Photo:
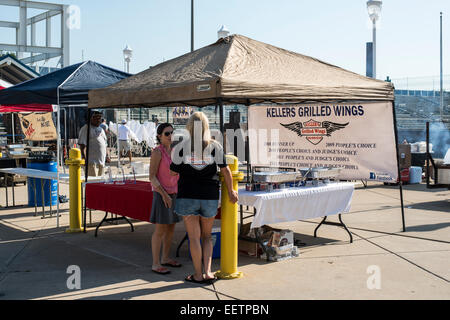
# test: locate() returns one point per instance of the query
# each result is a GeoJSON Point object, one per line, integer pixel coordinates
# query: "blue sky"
{"type": "Point", "coordinates": [333, 31]}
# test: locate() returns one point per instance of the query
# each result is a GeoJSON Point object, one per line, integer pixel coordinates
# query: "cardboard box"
{"type": "Point", "coordinates": [279, 243]}
{"type": "Point", "coordinates": [404, 152]}
{"type": "Point", "coordinates": [283, 253]}
{"type": "Point", "coordinates": [249, 248]}
{"type": "Point", "coordinates": [281, 238]}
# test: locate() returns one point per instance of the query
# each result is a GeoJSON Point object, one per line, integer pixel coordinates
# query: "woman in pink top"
{"type": "Point", "coordinates": [165, 188]}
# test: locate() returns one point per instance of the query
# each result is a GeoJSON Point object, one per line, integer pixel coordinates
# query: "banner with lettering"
{"type": "Point", "coordinates": [358, 138]}
{"type": "Point", "coordinates": [38, 127]}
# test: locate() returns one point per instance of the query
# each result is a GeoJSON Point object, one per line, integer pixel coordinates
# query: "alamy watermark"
{"type": "Point", "coordinates": [374, 280]}
{"type": "Point", "coordinates": [73, 21]}
{"type": "Point", "coordinates": [74, 280]}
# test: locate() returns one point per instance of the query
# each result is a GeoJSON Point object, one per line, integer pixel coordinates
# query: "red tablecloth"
{"type": "Point", "coordinates": [130, 200]}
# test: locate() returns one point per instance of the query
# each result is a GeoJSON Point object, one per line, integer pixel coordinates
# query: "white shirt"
{"type": "Point", "coordinates": [124, 132]}
{"type": "Point", "coordinates": [97, 144]}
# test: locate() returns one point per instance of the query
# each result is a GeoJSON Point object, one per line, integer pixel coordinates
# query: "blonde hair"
{"type": "Point", "coordinates": [205, 132]}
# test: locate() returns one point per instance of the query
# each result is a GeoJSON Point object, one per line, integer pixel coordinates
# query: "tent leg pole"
{"type": "Point", "coordinates": [427, 174]}
{"type": "Point", "coordinates": [118, 143]}
{"type": "Point", "coordinates": [86, 166]}
{"type": "Point", "coordinates": [58, 162]}
{"type": "Point", "coordinates": [398, 168]}
{"type": "Point", "coordinates": [12, 128]}
{"type": "Point", "coordinates": [221, 116]}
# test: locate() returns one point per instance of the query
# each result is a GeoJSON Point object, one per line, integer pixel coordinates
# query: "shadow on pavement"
{"type": "Point", "coordinates": [428, 227]}
{"type": "Point", "coordinates": [433, 206]}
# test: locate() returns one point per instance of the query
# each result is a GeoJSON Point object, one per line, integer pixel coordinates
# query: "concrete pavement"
{"type": "Point", "coordinates": [381, 263]}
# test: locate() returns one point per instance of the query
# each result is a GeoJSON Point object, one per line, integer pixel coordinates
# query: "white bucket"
{"type": "Point", "coordinates": [415, 175]}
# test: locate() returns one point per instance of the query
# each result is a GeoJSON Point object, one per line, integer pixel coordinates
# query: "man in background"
{"type": "Point", "coordinates": [97, 145]}
{"type": "Point", "coordinates": [104, 126]}
{"type": "Point", "coordinates": [125, 136]}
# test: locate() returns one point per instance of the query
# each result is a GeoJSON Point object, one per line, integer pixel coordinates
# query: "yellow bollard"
{"type": "Point", "coordinates": [74, 164]}
{"type": "Point", "coordinates": [229, 226]}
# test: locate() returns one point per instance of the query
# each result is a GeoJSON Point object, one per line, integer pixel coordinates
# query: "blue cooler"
{"type": "Point", "coordinates": [46, 163]}
{"type": "Point", "coordinates": [216, 242]}
{"type": "Point", "coordinates": [215, 235]}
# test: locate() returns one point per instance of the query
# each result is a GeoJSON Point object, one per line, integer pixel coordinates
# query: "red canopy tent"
{"type": "Point", "coordinates": [23, 108]}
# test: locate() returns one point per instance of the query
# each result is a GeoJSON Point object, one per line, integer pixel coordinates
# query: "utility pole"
{"type": "Point", "coordinates": [192, 25]}
{"type": "Point", "coordinates": [442, 82]}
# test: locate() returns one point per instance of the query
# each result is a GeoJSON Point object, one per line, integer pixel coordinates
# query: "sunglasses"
{"type": "Point", "coordinates": [167, 134]}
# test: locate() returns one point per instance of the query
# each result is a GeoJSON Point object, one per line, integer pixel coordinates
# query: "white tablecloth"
{"type": "Point", "coordinates": [298, 203]}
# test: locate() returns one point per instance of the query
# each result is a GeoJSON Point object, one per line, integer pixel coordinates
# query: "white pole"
{"type": "Point", "coordinates": [192, 25]}
{"type": "Point", "coordinates": [12, 126]}
{"type": "Point", "coordinates": [374, 49]}
{"type": "Point", "coordinates": [442, 81]}
{"type": "Point", "coordinates": [117, 140]}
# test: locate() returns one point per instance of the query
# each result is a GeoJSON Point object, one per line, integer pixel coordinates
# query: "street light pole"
{"type": "Point", "coordinates": [127, 55]}
{"type": "Point", "coordinates": [374, 46]}
{"type": "Point", "coordinates": [442, 81]}
{"type": "Point", "coordinates": [374, 10]}
{"type": "Point", "coordinates": [192, 25]}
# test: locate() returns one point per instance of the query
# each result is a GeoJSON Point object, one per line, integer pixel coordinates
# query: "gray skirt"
{"type": "Point", "coordinates": [160, 214]}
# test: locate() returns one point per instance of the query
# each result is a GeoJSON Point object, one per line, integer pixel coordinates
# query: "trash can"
{"type": "Point", "coordinates": [45, 163]}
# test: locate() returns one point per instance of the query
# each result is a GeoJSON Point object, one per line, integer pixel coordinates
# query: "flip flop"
{"type": "Point", "coordinates": [192, 279]}
{"type": "Point", "coordinates": [211, 280]}
{"type": "Point", "coordinates": [172, 264]}
{"type": "Point", "coordinates": [161, 270]}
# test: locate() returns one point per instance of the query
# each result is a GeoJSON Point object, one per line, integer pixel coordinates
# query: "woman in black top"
{"type": "Point", "coordinates": [196, 161]}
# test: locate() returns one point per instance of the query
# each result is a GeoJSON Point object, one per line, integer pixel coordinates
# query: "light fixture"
{"type": "Point", "coordinates": [127, 55]}
{"type": "Point", "coordinates": [223, 32]}
{"type": "Point", "coordinates": [374, 10]}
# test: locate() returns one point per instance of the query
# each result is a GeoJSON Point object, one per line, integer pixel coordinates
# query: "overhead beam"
{"type": "Point", "coordinates": [32, 4]}
{"type": "Point", "coordinates": [43, 16]}
{"type": "Point", "coordinates": [39, 57]}
{"type": "Point", "coordinates": [9, 24]}
{"type": "Point", "coordinates": [35, 19]}
{"type": "Point", "coordinates": [32, 49]}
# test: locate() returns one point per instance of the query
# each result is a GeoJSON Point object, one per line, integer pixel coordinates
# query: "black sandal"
{"type": "Point", "coordinates": [160, 270]}
{"type": "Point", "coordinates": [191, 278]}
{"type": "Point", "coordinates": [211, 280]}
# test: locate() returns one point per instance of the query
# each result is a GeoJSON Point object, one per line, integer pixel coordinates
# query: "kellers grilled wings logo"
{"type": "Point", "coordinates": [314, 131]}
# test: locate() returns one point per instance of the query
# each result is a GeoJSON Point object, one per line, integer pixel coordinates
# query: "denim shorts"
{"type": "Point", "coordinates": [196, 207]}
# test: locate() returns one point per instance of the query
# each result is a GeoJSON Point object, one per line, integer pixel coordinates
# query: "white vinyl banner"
{"type": "Point", "coordinates": [358, 138]}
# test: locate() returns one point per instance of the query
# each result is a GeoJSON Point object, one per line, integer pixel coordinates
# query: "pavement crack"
{"type": "Point", "coordinates": [403, 258]}
{"type": "Point", "coordinates": [6, 272]}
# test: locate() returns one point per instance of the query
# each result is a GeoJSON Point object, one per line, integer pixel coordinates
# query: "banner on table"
{"type": "Point", "coordinates": [38, 127]}
{"type": "Point", "coordinates": [358, 138]}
